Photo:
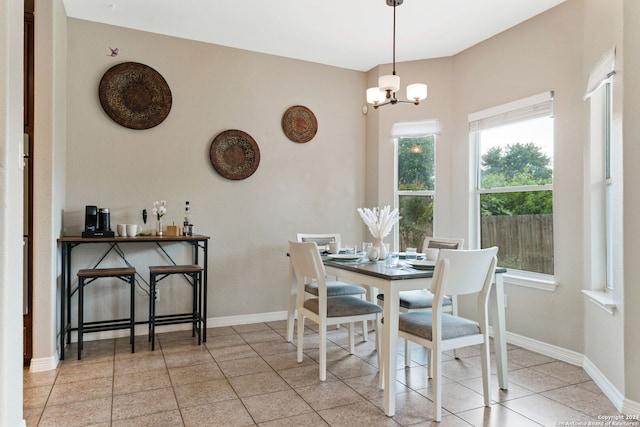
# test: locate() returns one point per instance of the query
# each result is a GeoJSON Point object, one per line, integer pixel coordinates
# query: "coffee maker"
{"type": "Point", "coordinates": [97, 222]}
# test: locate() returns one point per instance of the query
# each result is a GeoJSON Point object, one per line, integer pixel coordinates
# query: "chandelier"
{"type": "Point", "coordinates": [388, 85]}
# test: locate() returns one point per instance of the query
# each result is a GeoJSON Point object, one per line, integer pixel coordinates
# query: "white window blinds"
{"type": "Point", "coordinates": [409, 129]}
{"type": "Point", "coordinates": [604, 69]}
{"type": "Point", "coordinates": [533, 107]}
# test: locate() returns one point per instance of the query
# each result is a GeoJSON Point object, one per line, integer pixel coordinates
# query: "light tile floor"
{"type": "Point", "coordinates": [248, 375]}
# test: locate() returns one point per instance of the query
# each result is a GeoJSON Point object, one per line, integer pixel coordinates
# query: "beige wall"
{"type": "Point", "coordinates": [539, 55]}
{"type": "Point", "coordinates": [553, 51]}
{"type": "Point", "coordinates": [604, 338]}
{"type": "Point", "coordinates": [311, 187]}
{"type": "Point", "coordinates": [631, 135]}
{"type": "Point", "coordinates": [320, 182]}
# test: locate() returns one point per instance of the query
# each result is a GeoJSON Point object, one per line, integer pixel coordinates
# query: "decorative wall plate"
{"type": "Point", "coordinates": [234, 154]}
{"type": "Point", "coordinates": [135, 95]}
{"type": "Point", "coordinates": [299, 124]}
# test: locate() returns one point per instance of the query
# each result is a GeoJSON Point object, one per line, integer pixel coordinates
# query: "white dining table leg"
{"type": "Point", "coordinates": [291, 305]}
{"type": "Point", "coordinates": [499, 331]}
{"type": "Point", "coordinates": [390, 349]}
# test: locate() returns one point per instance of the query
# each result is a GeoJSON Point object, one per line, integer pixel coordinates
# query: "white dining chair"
{"type": "Point", "coordinates": [422, 299]}
{"type": "Point", "coordinates": [323, 310]}
{"type": "Point", "coordinates": [457, 272]}
{"type": "Point", "coordinates": [334, 287]}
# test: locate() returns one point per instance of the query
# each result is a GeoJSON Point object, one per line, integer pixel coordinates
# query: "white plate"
{"type": "Point", "coordinates": [422, 264]}
{"type": "Point", "coordinates": [404, 255]}
{"type": "Point", "coordinates": [345, 256]}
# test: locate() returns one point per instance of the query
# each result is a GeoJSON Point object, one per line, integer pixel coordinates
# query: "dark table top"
{"type": "Point", "coordinates": [379, 269]}
{"type": "Point", "coordinates": [80, 239]}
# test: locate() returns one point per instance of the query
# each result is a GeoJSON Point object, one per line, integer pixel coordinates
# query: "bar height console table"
{"type": "Point", "coordinates": [199, 243]}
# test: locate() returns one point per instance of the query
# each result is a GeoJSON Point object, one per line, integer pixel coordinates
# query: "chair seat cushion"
{"type": "Point", "coordinates": [344, 306]}
{"type": "Point", "coordinates": [335, 289]}
{"type": "Point", "coordinates": [419, 323]}
{"type": "Point", "coordinates": [416, 300]}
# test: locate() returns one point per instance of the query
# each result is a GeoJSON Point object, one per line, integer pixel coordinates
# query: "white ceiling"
{"type": "Point", "coordinates": [352, 34]}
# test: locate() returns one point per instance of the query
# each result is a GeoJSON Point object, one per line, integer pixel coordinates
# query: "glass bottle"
{"type": "Point", "coordinates": [187, 229]}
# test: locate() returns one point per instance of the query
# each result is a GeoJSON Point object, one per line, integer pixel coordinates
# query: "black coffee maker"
{"type": "Point", "coordinates": [97, 222]}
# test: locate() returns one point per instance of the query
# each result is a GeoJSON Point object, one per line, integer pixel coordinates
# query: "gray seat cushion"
{"type": "Point", "coordinates": [335, 289]}
{"type": "Point", "coordinates": [343, 306]}
{"type": "Point", "coordinates": [417, 300]}
{"type": "Point", "coordinates": [419, 323]}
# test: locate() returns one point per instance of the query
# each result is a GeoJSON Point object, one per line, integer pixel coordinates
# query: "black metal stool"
{"type": "Point", "coordinates": [85, 277]}
{"type": "Point", "coordinates": [159, 272]}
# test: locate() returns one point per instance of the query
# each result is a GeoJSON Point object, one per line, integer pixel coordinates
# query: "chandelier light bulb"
{"type": "Point", "coordinates": [417, 92]}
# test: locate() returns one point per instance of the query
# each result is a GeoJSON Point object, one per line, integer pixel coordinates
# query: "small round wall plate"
{"type": "Point", "coordinates": [234, 154]}
{"type": "Point", "coordinates": [299, 124]}
{"type": "Point", "coordinates": [135, 95]}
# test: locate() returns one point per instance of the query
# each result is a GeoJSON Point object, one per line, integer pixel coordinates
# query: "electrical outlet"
{"type": "Point", "coordinates": [157, 295]}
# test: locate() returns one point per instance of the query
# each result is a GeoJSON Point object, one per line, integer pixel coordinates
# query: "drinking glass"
{"type": "Point", "coordinates": [392, 260]}
{"type": "Point", "coordinates": [412, 253]}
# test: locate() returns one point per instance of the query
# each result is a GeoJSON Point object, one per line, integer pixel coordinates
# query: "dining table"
{"type": "Point", "coordinates": [392, 280]}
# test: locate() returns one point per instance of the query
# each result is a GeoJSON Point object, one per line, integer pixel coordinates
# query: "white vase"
{"type": "Point", "coordinates": [382, 249]}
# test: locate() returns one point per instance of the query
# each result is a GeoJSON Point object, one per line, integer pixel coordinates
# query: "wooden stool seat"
{"type": "Point", "coordinates": [87, 276]}
{"type": "Point", "coordinates": [194, 274]}
{"type": "Point", "coordinates": [106, 272]}
{"type": "Point", "coordinates": [174, 269]}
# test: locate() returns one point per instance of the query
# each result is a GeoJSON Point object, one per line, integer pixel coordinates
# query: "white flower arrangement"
{"type": "Point", "coordinates": [159, 208]}
{"type": "Point", "coordinates": [379, 221]}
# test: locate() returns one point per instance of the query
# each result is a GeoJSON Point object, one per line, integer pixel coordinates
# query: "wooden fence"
{"type": "Point", "coordinates": [525, 241]}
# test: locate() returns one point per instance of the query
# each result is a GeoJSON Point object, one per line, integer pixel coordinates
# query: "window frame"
{"type": "Point", "coordinates": [509, 113]}
{"type": "Point", "coordinates": [419, 193]}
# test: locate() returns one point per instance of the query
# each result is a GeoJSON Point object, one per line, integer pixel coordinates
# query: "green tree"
{"type": "Point", "coordinates": [515, 160]}
{"type": "Point", "coordinates": [416, 164]}
{"type": "Point", "coordinates": [416, 172]}
{"type": "Point", "coordinates": [516, 165]}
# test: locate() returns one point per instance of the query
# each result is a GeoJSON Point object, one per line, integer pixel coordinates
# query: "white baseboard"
{"type": "Point", "coordinates": [618, 400]}
{"type": "Point", "coordinates": [605, 385]}
{"type": "Point", "coordinates": [247, 319]}
{"type": "Point", "coordinates": [44, 363]}
{"type": "Point", "coordinates": [550, 350]}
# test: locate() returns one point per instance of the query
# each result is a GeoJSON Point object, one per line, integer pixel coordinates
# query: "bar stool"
{"type": "Point", "coordinates": [87, 276]}
{"type": "Point", "coordinates": [160, 272]}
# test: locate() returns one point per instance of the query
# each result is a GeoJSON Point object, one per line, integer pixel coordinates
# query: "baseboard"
{"type": "Point", "coordinates": [214, 322]}
{"type": "Point", "coordinates": [44, 363]}
{"type": "Point", "coordinates": [618, 400]}
{"type": "Point", "coordinates": [550, 350]}
{"type": "Point", "coordinates": [605, 385]}
{"type": "Point", "coordinates": [247, 319]}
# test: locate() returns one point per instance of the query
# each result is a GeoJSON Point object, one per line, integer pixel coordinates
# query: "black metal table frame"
{"type": "Point", "coordinates": [70, 242]}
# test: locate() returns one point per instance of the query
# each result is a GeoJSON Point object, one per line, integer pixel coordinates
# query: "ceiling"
{"type": "Point", "coordinates": [352, 34]}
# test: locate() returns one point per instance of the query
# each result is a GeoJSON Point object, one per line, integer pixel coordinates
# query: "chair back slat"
{"type": "Point", "coordinates": [306, 261]}
{"type": "Point", "coordinates": [464, 271]}
{"type": "Point", "coordinates": [442, 243]}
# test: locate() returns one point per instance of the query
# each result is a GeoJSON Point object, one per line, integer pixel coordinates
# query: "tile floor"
{"type": "Point", "coordinates": [248, 376]}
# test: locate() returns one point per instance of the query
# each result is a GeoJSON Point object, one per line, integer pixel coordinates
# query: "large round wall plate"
{"type": "Point", "coordinates": [299, 124]}
{"type": "Point", "coordinates": [234, 154]}
{"type": "Point", "coordinates": [135, 95]}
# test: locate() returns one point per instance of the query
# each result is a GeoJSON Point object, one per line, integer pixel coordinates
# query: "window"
{"type": "Point", "coordinates": [514, 182]}
{"type": "Point", "coordinates": [415, 145]}
{"type": "Point", "coordinates": [603, 171]}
